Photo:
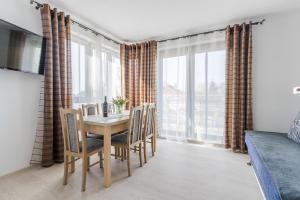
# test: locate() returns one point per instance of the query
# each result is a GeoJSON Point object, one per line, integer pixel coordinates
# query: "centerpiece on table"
{"type": "Point", "coordinates": [119, 103]}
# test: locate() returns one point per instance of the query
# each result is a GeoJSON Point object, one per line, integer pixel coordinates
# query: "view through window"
{"type": "Point", "coordinates": [96, 72]}
{"type": "Point", "coordinates": [192, 95]}
{"type": "Point", "coordinates": [209, 98]}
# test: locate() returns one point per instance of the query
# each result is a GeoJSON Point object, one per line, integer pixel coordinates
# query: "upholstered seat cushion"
{"type": "Point", "coordinates": [120, 138]}
{"type": "Point", "coordinates": [96, 136]}
{"type": "Point", "coordinates": [101, 137]}
{"type": "Point", "coordinates": [93, 144]}
{"type": "Point", "coordinates": [121, 132]}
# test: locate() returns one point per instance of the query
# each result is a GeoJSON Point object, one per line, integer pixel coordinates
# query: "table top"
{"type": "Point", "coordinates": [112, 119]}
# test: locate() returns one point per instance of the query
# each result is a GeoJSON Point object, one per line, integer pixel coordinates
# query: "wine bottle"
{"type": "Point", "coordinates": [105, 108]}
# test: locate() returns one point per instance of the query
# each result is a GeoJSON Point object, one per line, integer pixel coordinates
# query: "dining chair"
{"type": "Point", "coordinates": [149, 135]}
{"type": "Point", "coordinates": [88, 110]}
{"type": "Point", "coordinates": [76, 144]}
{"type": "Point", "coordinates": [132, 139]}
{"type": "Point", "coordinates": [91, 109]}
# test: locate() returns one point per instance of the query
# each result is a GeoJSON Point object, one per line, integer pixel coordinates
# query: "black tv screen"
{"type": "Point", "coordinates": [20, 50]}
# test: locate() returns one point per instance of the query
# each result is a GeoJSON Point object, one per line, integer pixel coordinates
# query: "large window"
{"type": "Point", "coordinates": [209, 96]}
{"type": "Point", "coordinates": [96, 71]}
{"type": "Point", "coordinates": [191, 89]}
{"type": "Point", "coordinates": [174, 96]}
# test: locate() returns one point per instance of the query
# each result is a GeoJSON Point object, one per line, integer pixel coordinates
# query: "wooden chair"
{"type": "Point", "coordinates": [91, 109]}
{"type": "Point", "coordinates": [149, 135]}
{"type": "Point", "coordinates": [132, 139]}
{"type": "Point", "coordinates": [76, 144]}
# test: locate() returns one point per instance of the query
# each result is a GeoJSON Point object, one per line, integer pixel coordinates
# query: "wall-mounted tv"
{"type": "Point", "coordinates": [20, 50]}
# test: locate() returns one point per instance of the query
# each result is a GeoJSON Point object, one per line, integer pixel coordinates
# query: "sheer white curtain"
{"type": "Point", "coordinates": [96, 68]}
{"type": "Point", "coordinates": [191, 88]}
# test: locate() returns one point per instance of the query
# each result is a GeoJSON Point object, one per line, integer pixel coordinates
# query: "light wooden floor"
{"type": "Point", "coordinates": [178, 171]}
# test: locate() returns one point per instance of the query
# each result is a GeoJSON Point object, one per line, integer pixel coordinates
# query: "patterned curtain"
{"type": "Point", "coordinates": [56, 58]}
{"type": "Point", "coordinates": [238, 85]}
{"type": "Point", "coordinates": [138, 63]}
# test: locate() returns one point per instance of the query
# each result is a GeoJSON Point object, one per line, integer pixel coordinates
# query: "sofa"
{"type": "Point", "coordinates": [276, 162]}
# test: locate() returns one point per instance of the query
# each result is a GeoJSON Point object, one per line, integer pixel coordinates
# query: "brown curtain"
{"type": "Point", "coordinates": [57, 81]}
{"type": "Point", "coordinates": [238, 85]}
{"type": "Point", "coordinates": [138, 62]}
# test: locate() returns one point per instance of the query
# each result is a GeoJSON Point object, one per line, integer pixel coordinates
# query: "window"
{"type": "Point", "coordinates": [96, 71]}
{"type": "Point", "coordinates": [209, 100]}
{"type": "Point", "coordinates": [174, 96]}
{"type": "Point", "coordinates": [78, 71]}
{"type": "Point", "coordinates": [191, 91]}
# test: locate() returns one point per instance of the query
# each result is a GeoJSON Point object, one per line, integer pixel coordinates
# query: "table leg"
{"type": "Point", "coordinates": [107, 161]}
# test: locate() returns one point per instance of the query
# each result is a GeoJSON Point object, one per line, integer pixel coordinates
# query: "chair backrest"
{"type": "Point", "coordinates": [90, 109]}
{"type": "Point", "coordinates": [72, 128]}
{"type": "Point", "coordinates": [136, 123]}
{"type": "Point", "coordinates": [149, 125]}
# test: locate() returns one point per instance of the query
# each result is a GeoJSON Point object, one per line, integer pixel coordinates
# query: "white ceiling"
{"type": "Point", "coordinates": [135, 20]}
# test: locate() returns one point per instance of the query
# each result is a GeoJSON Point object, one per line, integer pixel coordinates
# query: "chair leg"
{"type": "Point", "coordinates": [116, 152]}
{"type": "Point", "coordinates": [135, 149]}
{"type": "Point", "coordinates": [155, 140]}
{"type": "Point", "coordinates": [88, 161]}
{"type": "Point", "coordinates": [128, 161]}
{"type": "Point", "coordinates": [66, 160]}
{"type": "Point", "coordinates": [101, 159]}
{"type": "Point", "coordinates": [125, 154]}
{"type": "Point", "coordinates": [145, 151]}
{"type": "Point", "coordinates": [84, 170]}
{"type": "Point", "coordinates": [72, 164]}
{"type": "Point", "coordinates": [152, 145]}
{"type": "Point", "coordinates": [140, 154]}
{"type": "Point", "coordinates": [122, 154]}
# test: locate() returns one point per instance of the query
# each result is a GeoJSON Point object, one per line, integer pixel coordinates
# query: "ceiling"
{"type": "Point", "coordinates": [136, 20]}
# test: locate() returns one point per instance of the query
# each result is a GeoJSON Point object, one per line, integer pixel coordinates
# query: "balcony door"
{"type": "Point", "coordinates": [191, 94]}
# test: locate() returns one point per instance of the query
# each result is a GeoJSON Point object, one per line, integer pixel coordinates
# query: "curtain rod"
{"type": "Point", "coordinates": [207, 32]}
{"type": "Point", "coordinates": [86, 28]}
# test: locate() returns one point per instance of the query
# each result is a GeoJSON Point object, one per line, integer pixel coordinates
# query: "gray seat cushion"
{"type": "Point", "coordinates": [294, 132]}
{"type": "Point", "coordinates": [101, 137]}
{"type": "Point", "coordinates": [96, 136]}
{"type": "Point", "coordinates": [121, 132]}
{"type": "Point", "coordinates": [93, 144]}
{"type": "Point", "coordinates": [120, 138]}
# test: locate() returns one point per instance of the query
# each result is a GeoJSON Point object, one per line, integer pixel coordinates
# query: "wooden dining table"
{"type": "Point", "coordinates": [107, 126]}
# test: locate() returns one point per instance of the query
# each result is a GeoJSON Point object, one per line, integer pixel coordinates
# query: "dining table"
{"type": "Point", "coordinates": [107, 126]}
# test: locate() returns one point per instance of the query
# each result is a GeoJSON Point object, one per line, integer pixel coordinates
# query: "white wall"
{"type": "Point", "coordinates": [19, 96]}
{"type": "Point", "coordinates": [276, 63]}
